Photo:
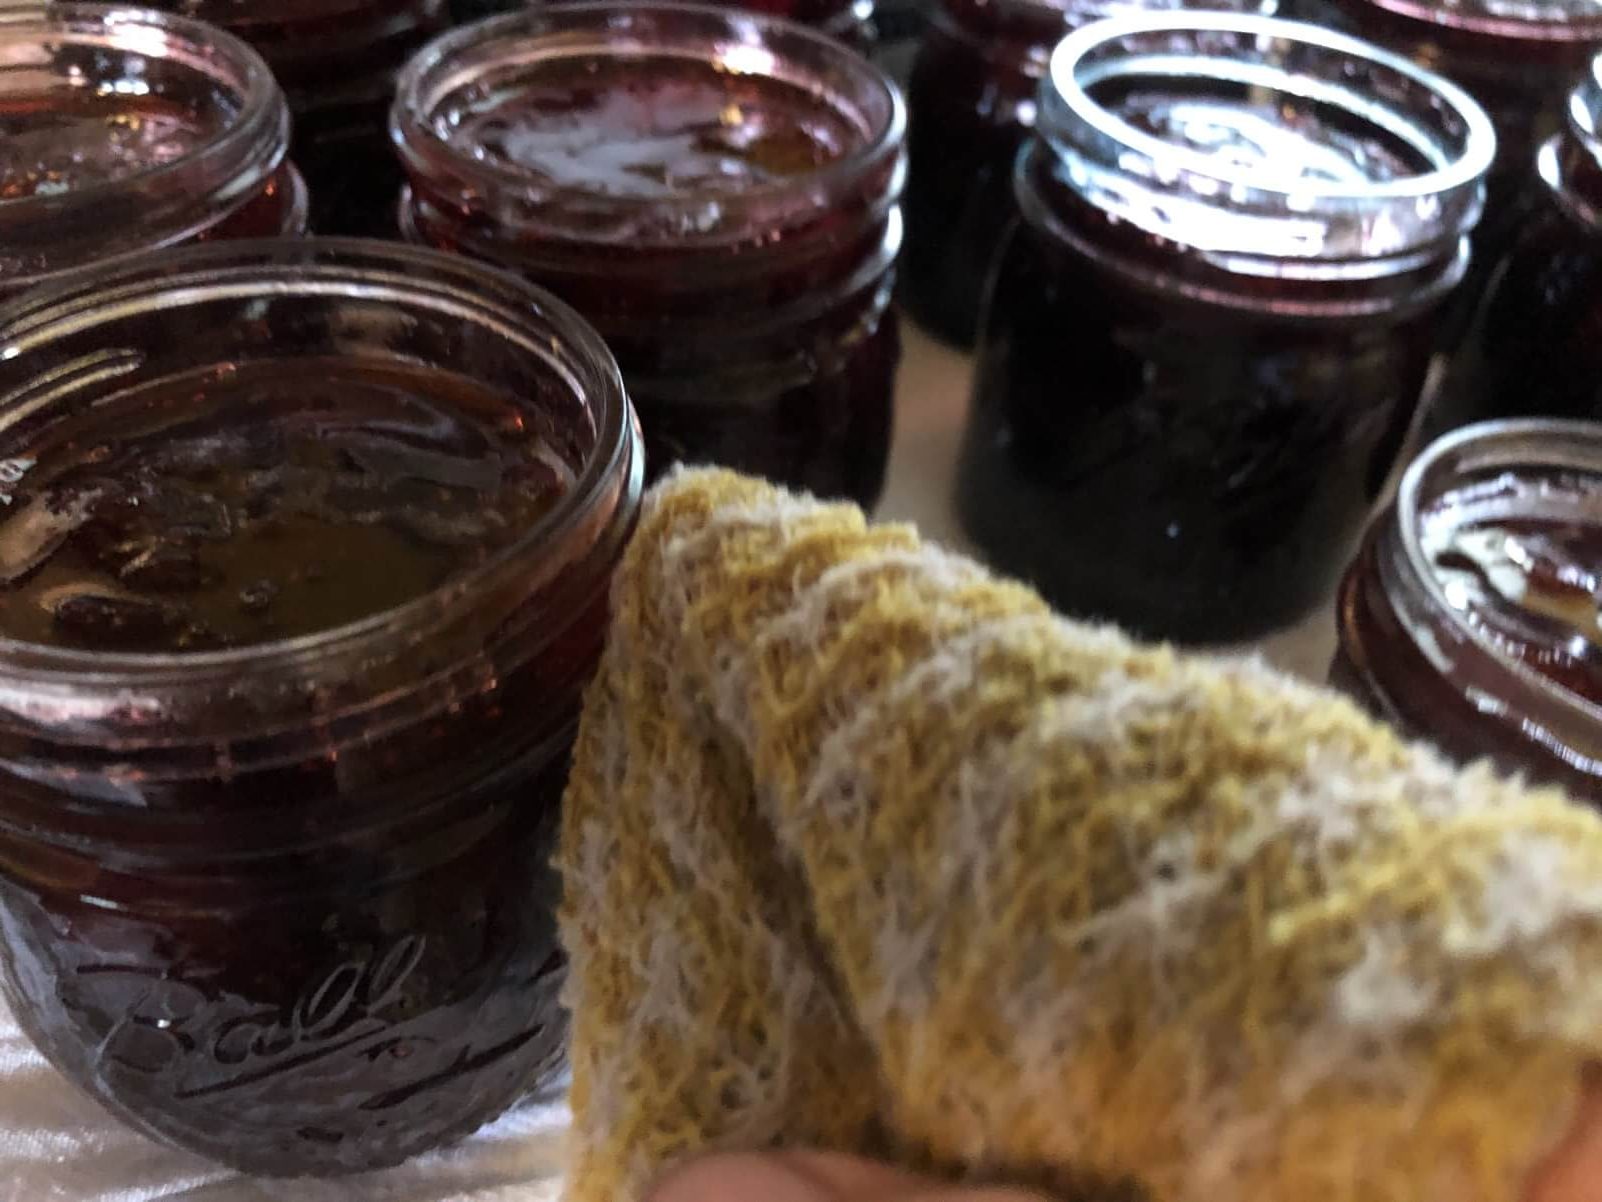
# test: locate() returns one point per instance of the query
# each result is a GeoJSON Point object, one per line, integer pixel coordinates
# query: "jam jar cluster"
{"type": "Point", "coordinates": [304, 555]}
{"type": "Point", "coordinates": [1211, 325]}
{"type": "Point", "coordinates": [717, 192]}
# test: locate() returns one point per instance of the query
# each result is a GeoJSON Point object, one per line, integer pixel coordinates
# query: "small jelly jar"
{"type": "Point", "coordinates": [716, 191]}
{"type": "Point", "coordinates": [126, 130]}
{"type": "Point", "coordinates": [1533, 350]}
{"type": "Point", "coordinates": [1519, 60]}
{"type": "Point", "coordinates": [1470, 616]}
{"type": "Point", "coordinates": [337, 60]}
{"type": "Point", "coordinates": [971, 104]}
{"type": "Point", "coordinates": [1210, 328]}
{"type": "Point", "coordinates": [305, 548]}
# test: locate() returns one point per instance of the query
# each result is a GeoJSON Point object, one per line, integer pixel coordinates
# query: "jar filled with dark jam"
{"type": "Point", "coordinates": [715, 191]}
{"type": "Point", "coordinates": [1518, 58]}
{"type": "Point", "coordinates": [1535, 348]}
{"type": "Point", "coordinates": [124, 130]}
{"type": "Point", "coordinates": [1471, 615]}
{"type": "Point", "coordinates": [1211, 326]}
{"type": "Point", "coordinates": [304, 554]}
{"type": "Point", "coordinates": [337, 60]}
{"type": "Point", "coordinates": [971, 102]}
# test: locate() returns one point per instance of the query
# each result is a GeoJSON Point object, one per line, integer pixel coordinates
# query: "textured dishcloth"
{"type": "Point", "coordinates": [866, 849]}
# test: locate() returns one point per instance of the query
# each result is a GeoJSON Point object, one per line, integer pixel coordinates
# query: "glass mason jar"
{"type": "Point", "coordinates": [1469, 617]}
{"type": "Point", "coordinates": [1518, 58]}
{"type": "Point", "coordinates": [971, 104]}
{"type": "Point", "coordinates": [716, 191]}
{"type": "Point", "coordinates": [306, 548]}
{"type": "Point", "coordinates": [337, 60]}
{"type": "Point", "coordinates": [1211, 325]}
{"type": "Point", "coordinates": [1534, 350]}
{"type": "Point", "coordinates": [127, 130]}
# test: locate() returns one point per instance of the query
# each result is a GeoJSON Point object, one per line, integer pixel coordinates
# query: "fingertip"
{"type": "Point", "coordinates": [740, 1177]}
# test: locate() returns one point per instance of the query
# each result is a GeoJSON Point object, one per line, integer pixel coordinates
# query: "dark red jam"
{"type": "Point", "coordinates": [238, 505]}
{"type": "Point", "coordinates": [1473, 615]}
{"type": "Point", "coordinates": [971, 102]}
{"type": "Point", "coordinates": [1518, 58]}
{"type": "Point", "coordinates": [1197, 367]}
{"type": "Point", "coordinates": [337, 61]}
{"type": "Point", "coordinates": [304, 551]}
{"type": "Point", "coordinates": [125, 130]}
{"type": "Point", "coordinates": [716, 193]}
{"type": "Point", "coordinates": [1535, 348]}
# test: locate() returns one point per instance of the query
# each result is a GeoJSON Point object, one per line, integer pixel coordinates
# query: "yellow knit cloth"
{"type": "Point", "coordinates": [868, 850]}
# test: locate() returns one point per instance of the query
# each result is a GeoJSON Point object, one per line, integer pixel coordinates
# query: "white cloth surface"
{"type": "Point", "coordinates": [58, 1145]}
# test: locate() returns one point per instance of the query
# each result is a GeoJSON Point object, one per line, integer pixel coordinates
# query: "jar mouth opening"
{"type": "Point", "coordinates": [1557, 22]}
{"type": "Point", "coordinates": [451, 286]}
{"type": "Point", "coordinates": [1157, 118]}
{"type": "Point", "coordinates": [212, 56]}
{"type": "Point", "coordinates": [459, 64]}
{"type": "Point", "coordinates": [1457, 459]}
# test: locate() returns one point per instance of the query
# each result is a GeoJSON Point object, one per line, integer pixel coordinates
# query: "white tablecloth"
{"type": "Point", "coordinates": [57, 1146]}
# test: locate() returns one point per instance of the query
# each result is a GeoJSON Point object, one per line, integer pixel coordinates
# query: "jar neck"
{"type": "Point", "coordinates": [1393, 289]}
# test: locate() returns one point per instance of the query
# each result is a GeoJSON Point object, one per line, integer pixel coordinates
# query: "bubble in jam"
{"type": "Point", "coordinates": [262, 502]}
{"type": "Point", "coordinates": [649, 126]}
{"type": "Point", "coordinates": [1519, 555]}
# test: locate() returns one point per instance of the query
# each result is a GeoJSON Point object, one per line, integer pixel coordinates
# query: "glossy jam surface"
{"type": "Point", "coordinates": [1520, 559]}
{"type": "Point", "coordinates": [267, 503]}
{"type": "Point", "coordinates": [675, 198]}
{"type": "Point", "coordinates": [50, 145]}
{"type": "Point", "coordinates": [654, 128]}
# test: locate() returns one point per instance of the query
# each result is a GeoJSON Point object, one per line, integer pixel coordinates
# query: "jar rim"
{"type": "Point", "coordinates": [438, 71]}
{"type": "Point", "coordinates": [1506, 443]}
{"type": "Point", "coordinates": [222, 167]}
{"type": "Point", "coordinates": [453, 284]}
{"type": "Point", "coordinates": [1321, 219]}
